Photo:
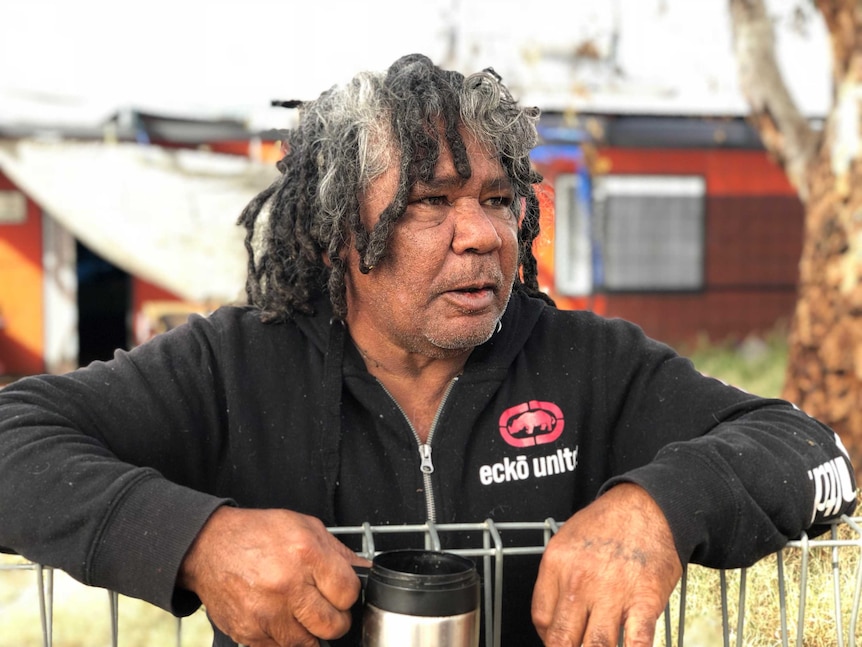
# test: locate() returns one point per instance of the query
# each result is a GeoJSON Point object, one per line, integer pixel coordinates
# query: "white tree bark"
{"type": "Point", "coordinates": [785, 132]}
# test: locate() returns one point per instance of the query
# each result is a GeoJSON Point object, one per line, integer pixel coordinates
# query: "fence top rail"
{"type": "Point", "coordinates": [489, 537]}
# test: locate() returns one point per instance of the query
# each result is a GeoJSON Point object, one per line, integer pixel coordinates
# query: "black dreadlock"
{"type": "Point", "coordinates": [349, 136]}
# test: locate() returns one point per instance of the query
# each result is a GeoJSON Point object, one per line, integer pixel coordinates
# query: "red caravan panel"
{"type": "Point", "coordinates": [753, 240]}
{"type": "Point", "coordinates": [727, 171]}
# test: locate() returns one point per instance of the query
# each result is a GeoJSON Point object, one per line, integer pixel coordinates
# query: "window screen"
{"type": "Point", "coordinates": [651, 231]}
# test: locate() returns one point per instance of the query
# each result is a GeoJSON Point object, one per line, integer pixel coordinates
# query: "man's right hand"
{"type": "Point", "coordinates": [272, 577]}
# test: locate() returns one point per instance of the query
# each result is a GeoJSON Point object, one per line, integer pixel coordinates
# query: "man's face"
{"type": "Point", "coordinates": [448, 272]}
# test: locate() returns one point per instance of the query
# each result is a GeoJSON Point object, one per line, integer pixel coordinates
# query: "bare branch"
{"type": "Point", "coordinates": [783, 129]}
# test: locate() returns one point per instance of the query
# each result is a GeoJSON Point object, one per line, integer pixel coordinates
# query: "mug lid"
{"type": "Point", "coordinates": [423, 583]}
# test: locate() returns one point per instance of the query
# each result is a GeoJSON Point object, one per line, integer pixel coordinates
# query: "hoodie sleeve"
{"type": "Point", "coordinates": [736, 475]}
{"type": "Point", "coordinates": [102, 471]}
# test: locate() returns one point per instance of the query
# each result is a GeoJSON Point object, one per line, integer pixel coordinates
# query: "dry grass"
{"type": "Point", "coordinates": [758, 365]}
{"type": "Point", "coordinates": [82, 616]}
{"type": "Point", "coordinates": [761, 606]}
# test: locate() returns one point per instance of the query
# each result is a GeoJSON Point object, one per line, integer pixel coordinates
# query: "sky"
{"type": "Point", "coordinates": [78, 61]}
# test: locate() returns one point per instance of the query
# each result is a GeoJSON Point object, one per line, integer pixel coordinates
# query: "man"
{"type": "Point", "coordinates": [397, 363]}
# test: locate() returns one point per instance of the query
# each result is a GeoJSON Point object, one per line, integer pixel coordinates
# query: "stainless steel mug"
{"type": "Point", "coordinates": [421, 598]}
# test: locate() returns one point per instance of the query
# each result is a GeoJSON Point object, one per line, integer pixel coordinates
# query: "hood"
{"type": "Point", "coordinates": [496, 354]}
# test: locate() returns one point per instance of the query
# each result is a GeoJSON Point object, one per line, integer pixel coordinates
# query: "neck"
{"type": "Point", "coordinates": [417, 383]}
{"type": "Point", "coordinates": [406, 366]}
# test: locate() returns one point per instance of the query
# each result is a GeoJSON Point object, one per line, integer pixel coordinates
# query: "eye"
{"type": "Point", "coordinates": [434, 200]}
{"type": "Point", "coordinates": [500, 201]}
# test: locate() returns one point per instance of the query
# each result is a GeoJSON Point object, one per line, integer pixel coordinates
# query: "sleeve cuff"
{"type": "Point", "coordinates": [694, 500]}
{"type": "Point", "coordinates": [143, 543]}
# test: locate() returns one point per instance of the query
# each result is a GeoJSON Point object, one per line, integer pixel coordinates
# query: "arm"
{"type": "Point", "coordinates": [103, 471]}
{"type": "Point", "coordinates": [705, 473]}
{"type": "Point", "coordinates": [736, 475]}
{"type": "Point", "coordinates": [742, 491]}
{"type": "Point", "coordinates": [614, 564]}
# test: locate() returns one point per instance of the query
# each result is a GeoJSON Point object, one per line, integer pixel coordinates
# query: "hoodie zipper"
{"type": "Point", "coordinates": [426, 464]}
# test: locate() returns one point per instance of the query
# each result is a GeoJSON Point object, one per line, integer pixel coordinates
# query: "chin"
{"type": "Point", "coordinates": [464, 338]}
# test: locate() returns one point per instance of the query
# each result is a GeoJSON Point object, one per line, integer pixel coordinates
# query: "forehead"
{"type": "Point", "coordinates": [481, 159]}
{"type": "Point", "coordinates": [483, 163]}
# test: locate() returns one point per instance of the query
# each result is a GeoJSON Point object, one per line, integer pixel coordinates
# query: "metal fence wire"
{"type": "Point", "coordinates": [831, 564]}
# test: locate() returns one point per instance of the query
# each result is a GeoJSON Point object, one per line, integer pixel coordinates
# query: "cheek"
{"type": "Point", "coordinates": [411, 250]}
{"type": "Point", "coordinates": [509, 235]}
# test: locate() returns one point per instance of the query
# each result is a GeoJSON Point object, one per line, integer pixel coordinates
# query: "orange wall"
{"type": "Point", "coordinates": [21, 305]}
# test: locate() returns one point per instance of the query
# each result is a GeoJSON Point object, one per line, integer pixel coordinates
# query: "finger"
{"type": "Point", "coordinates": [297, 640]}
{"type": "Point", "coordinates": [567, 623]}
{"type": "Point", "coordinates": [306, 623]}
{"type": "Point", "coordinates": [342, 586]}
{"type": "Point", "coordinates": [318, 615]}
{"type": "Point", "coordinates": [337, 582]}
{"type": "Point", "coordinates": [640, 634]}
{"type": "Point", "coordinates": [263, 642]}
{"type": "Point", "coordinates": [545, 593]}
{"type": "Point", "coordinates": [639, 629]}
{"type": "Point", "coordinates": [542, 613]}
{"type": "Point", "coordinates": [602, 628]}
{"type": "Point", "coordinates": [358, 560]}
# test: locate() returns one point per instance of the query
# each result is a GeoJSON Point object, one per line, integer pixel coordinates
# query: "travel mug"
{"type": "Point", "coordinates": [420, 598]}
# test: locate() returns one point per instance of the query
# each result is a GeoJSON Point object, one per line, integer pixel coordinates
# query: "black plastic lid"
{"type": "Point", "coordinates": [423, 583]}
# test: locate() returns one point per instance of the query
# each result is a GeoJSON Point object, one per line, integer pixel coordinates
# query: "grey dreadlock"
{"type": "Point", "coordinates": [348, 137]}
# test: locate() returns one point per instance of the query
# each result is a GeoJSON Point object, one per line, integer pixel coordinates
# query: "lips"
{"type": "Point", "coordinates": [473, 282]}
{"type": "Point", "coordinates": [474, 288]}
{"type": "Point", "coordinates": [473, 297]}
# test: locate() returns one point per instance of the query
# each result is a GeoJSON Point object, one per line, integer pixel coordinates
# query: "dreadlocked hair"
{"type": "Point", "coordinates": [298, 228]}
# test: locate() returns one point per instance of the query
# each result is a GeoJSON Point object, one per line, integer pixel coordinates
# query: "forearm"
{"type": "Point", "coordinates": [743, 490]}
{"type": "Point", "coordinates": [73, 490]}
{"type": "Point", "coordinates": [118, 527]}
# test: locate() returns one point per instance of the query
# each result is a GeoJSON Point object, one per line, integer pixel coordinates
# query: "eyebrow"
{"type": "Point", "coordinates": [499, 182]}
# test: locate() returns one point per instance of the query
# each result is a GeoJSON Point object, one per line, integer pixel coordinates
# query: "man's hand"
{"type": "Point", "coordinates": [612, 565]}
{"type": "Point", "coordinates": [272, 577]}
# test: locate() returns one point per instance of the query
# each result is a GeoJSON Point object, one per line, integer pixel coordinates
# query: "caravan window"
{"type": "Point", "coordinates": [629, 233]}
{"type": "Point", "coordinates": [651, 231]}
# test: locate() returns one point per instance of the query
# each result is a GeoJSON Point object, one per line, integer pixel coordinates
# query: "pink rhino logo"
{"type": "Point", "coordinates": [531, 423]}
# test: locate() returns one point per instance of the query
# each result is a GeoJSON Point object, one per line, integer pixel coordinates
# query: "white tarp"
{"type": "Point", "coordinates": [168, 216]}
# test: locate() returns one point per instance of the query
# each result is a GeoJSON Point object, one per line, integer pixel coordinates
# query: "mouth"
{"type": "Point", "coordinates": [472, 297]}
{"type": "Point", "coordinates": [474, 288]}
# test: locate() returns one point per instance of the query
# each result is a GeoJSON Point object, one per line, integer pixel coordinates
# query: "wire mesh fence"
{"type": "Point", "coordinates": [806, 594]}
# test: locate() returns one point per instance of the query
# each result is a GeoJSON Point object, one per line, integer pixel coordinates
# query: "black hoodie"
{"type": "Point", "coordinates": [110, 471]}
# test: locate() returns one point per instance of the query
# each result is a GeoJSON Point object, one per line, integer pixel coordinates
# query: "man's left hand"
{"type": "Point", "coordinates": [612, 566]}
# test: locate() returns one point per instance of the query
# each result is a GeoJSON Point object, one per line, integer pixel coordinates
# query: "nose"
{"type": "Point", "coordinates": [475, 230]}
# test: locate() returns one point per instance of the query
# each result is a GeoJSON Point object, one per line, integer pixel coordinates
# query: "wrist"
{"type": "Point", "coordinates": [196, 558]}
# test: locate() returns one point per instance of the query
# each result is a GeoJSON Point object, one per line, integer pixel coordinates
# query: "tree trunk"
{"type": "Point", "coordinates": [824, 373]}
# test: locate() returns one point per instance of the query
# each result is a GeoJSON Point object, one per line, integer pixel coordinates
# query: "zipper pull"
{"type": "Point", "coordinates": [426, 466]}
